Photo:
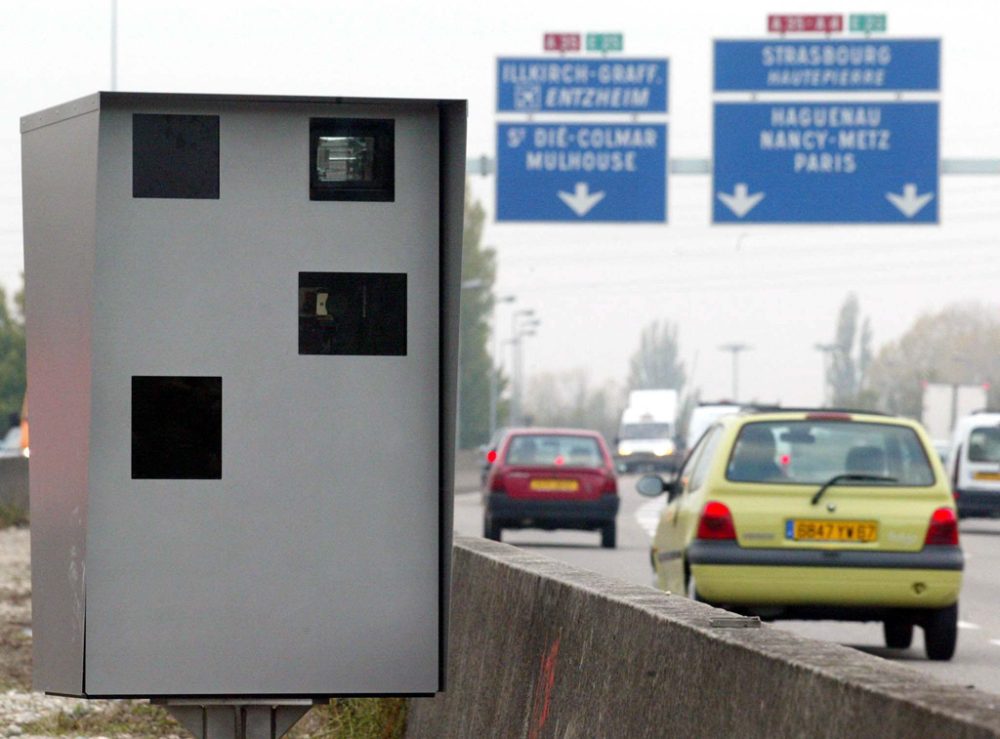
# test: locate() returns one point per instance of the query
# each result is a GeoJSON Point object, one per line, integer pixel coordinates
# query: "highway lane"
{"type": "Point", "coordinates": [976, 663]}
{"type": "Point", "coordinates": [629, 561]}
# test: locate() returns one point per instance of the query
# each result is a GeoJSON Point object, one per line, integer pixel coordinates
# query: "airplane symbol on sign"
{"type": "Point", "coordinates": [528, 97]}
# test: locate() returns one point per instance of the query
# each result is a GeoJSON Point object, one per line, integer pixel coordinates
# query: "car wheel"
{"type": "Point", "coordinates": [491, 530]}
{"type": "Point", "coordinates": [898, 633]}
{"type": "Point", "coordinates": [941, 633]}
{"type": "Point", "coordinates": [609, 535]}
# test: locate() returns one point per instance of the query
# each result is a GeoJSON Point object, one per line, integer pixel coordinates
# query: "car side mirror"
{"type": "Point", "coordinates": [651, 486]}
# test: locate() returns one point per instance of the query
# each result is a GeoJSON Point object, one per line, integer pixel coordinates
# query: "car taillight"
{"type": "Point", "coordinates": [610, 484]}
{"type": "Point", "coordinates": [491, 456]}
{"type": "Point", "coordinates": [943, 530]}
{"type": "Point", "coordinates": [716, 522]}
{"type": "Point", "coordinates": [497, 484]}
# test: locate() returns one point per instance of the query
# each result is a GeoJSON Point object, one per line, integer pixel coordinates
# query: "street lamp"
{"type": "Point", "coordinates": [827, 350]}
{"type": "Point", "coordinates": [495, 371]}
{"type": "Point", "coordinates": [114, 45]}
{"type": "Point", "coordinates": [522, 321]}
{"type": "Point", "coordinates": [735, 350]}
{"type": "Point", "coordinates": [527, 329]}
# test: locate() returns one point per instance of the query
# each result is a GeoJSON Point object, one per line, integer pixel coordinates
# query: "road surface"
{"type": "Point", "coordinates": [976, 663]}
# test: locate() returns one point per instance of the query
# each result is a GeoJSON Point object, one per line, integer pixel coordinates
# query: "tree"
{"type": "Point", "coordinates": [474, 361]}
{"type": "Point", "coordinates": [567, 399]}
{"type": "Point", "coordinates": [850, 356]}
{"type": "Point", "coordinates": [956, 345]}
{"type": "Point", "coordinates": [13, 371]}
{"type": "Point", "coordinates": [656, 363]}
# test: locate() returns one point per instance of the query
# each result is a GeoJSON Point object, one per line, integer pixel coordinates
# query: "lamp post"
{"type": "Point", "coordinates": [495, 370]}
{"type": "Point", "coordinates": [517, 332]}
{"type": "Point", "coordinates": [827, 350]}
{"type": "Point", "coordinates": [114, 45]}
{"type": "Point", "coordinates": [527, 329]}
{"type": "Point", "coordinates": [735, 350]}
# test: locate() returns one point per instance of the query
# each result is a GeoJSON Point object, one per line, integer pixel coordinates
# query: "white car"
{"type": "Point", "coordinates": [974, 465]}
{"type": "Point", "coordinates": [11, 444]}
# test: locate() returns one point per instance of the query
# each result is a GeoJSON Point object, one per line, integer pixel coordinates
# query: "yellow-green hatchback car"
{"type": "Point", "coordinates": [815, 515]}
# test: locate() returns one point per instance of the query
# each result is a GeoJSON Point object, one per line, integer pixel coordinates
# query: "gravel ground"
{"type": "Point", "coordinates": [18, 705]}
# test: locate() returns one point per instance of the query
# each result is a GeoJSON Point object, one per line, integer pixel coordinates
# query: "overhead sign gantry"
{"type": "Point", "coordinates": [840, 159]}
{"type": "Point", "coordinates": [556, 171]}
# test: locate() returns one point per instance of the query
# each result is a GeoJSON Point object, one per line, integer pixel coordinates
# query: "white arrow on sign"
{"type": "Point", "coordinates": [741, 201]}
{"type": "Point", "coordinates": [582, 199]}
{"type": "Point", "coordinates": [909, 203]}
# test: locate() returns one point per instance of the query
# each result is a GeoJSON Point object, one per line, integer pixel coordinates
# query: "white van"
{"type": "Point", "coordinates": [704, 415]}
{"type": "Point", "coordinates": [974, 465]}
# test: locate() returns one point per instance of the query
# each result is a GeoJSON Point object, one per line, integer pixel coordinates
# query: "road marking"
{"type": "Point", "coordinates": [995, 641]}
{"type": "Point", "coordinates": [648, 515]}
{"type": "Point", "coordinates": [967, 625]}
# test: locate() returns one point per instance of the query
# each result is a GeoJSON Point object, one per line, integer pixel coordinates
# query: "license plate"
{"type": "Point", "coordinates": [986, 476]}
{"type": "Point", "coordinates": [557, 486]}
{"type": "Point", "coordinates": [856, 531]}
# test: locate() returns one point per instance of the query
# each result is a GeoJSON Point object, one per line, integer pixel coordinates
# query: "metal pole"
{"type": "Point", "coordinates": [827, 351]}
{"type": "Point", "coordinates": [495, 373]}
{"type": "Point", "coordinates": [735, 350]}
{"type": "Point", "coordinates": [736, 374]}
{"type": "Point", "coordinates": [485, 166]}
{"type": "Point", "coordinates": [213, 718]}
{"type": "Point", "coordinates": [494, 382]}
{"type": "Point", "coordinates": [114, 45]}
{"type": "Point", "coordinates": [515, 396]}
{"type": "Point", "coordinates": [526, 329]}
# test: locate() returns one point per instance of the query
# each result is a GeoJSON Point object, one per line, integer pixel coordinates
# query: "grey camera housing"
{"type": "Point", "coordinates": [216, 512]}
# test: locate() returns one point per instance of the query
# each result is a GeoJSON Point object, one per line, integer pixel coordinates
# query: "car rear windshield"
{"type": "Point", "coordinates": [984, 444]}
{"type": "Point", "coordinates": [646, 431]}
{"type": "Point", "coordinates": [813, 452]}
{"type": "Point", "coordinates": [553, 450]}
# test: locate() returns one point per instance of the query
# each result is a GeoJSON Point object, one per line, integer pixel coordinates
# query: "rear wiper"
{"type": "Point", "coordinates": [851, 477]}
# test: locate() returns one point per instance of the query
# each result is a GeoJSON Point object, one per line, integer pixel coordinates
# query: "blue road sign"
{"type": "Point", "coordinates": [825, 162]}
{"type": "Point", "coordinates": [828, 65]}
{"type": "Point", "coordinates": [581, 172]}
{"type": "Point", "coordinates": [562, 85]}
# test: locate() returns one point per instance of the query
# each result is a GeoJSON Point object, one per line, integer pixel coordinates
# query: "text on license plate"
{"type": "Point", "coordinates": [806, 530]}
{"type": "Point", "coordinates": [986, 475]}
{"type": "Point", "coordinates": [560, 486]}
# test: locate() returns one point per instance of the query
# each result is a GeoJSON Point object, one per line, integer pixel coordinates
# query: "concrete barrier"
{"type": "Point", "coordinates": [542, 649]}
{"type": "Point", "coordinates": [14, 483]}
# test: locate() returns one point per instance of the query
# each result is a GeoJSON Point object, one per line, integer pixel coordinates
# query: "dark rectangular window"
{"type": "Point", "coordinates": [352, 159]}
{"type": "Point", "coordinates": [352, 313]}
{"type": "Point", "coordinates": [176, 428]}
{"type": "Point", "coordinates": [175, 156]}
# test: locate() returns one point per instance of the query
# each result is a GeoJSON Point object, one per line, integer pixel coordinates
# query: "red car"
{"type": "Point", "coordinates": [551, 479]}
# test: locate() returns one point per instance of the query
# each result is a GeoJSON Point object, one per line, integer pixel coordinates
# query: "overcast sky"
{"type": "Point", "coordinates": [594, 287]}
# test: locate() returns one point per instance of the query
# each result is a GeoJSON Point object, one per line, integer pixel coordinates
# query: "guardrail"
{"type": "Point", "coordinates": [542, 649]}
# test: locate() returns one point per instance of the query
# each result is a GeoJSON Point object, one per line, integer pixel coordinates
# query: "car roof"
{"type": "Point", "coordinates": [979, 418]}
{"type": "Point", "coordinates": [818, 414]}
{"type": "Point", "coordinates": [552, 431]}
